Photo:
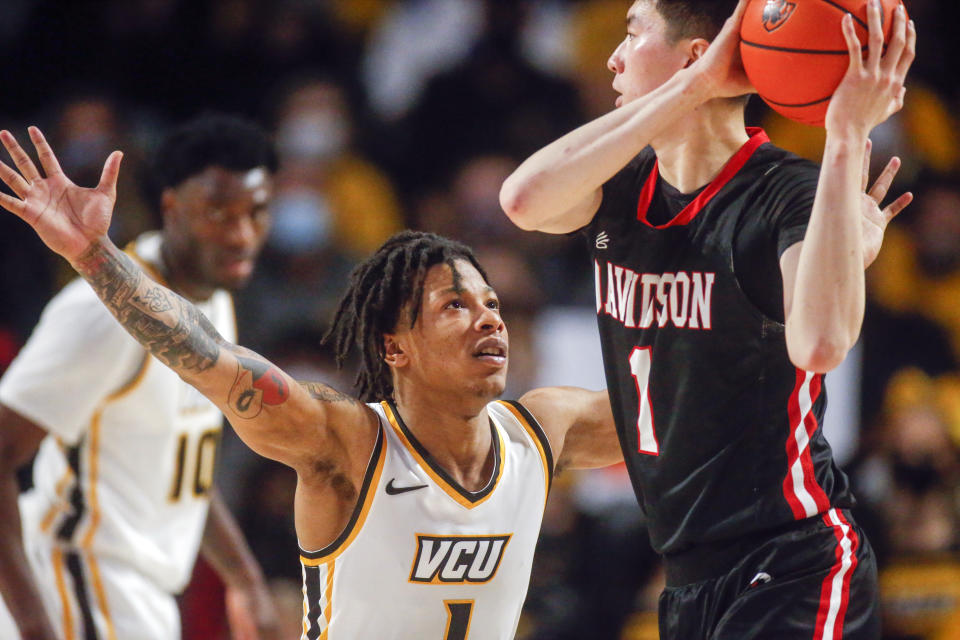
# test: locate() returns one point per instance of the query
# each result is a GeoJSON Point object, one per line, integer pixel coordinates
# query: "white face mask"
{"type": "Point", "coordinates": [301, 222]}
{"type": "Point", "coordinates": [82, 150]}
{"type": "Point", "coordinates": [319, 135]}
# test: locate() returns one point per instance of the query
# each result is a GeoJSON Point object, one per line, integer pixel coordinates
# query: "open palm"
{"type": "Point", "coordinates": [875, 219]}
{"type": "Point", "coordinates": [66, 217]}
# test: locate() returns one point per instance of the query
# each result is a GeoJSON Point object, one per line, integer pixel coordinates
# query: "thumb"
{"type": "Point", "coordinates": [111, 171]}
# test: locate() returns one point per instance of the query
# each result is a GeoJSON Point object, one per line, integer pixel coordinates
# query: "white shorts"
{"type": "Point", "coordinates": [96, 598]}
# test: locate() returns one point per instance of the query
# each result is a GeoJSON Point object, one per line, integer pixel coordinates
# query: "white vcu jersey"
{"type": "Point", "coordinates": [424, 559]}
{"type": "Point", "coordinates": [122, 481]}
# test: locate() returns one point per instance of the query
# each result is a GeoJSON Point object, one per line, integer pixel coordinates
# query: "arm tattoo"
{"type": "Point", "coordinates": [258, 382]}
{"type": "Point", "coordinates": [168, 326]}
{"type": "Point", "coordinates": [324, 393]}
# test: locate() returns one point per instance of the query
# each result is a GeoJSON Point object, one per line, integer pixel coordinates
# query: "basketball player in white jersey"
{"type": "Point", "coordinates": [418, 511]}
{"type": "Point", "coordinates": [125, 449]}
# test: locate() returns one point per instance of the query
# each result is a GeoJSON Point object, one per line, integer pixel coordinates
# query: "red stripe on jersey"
{"type": "Point", "coordinates": [800, 489]}
{"type": "Point", "coordinates": [757, 137]}
{"type": "Point", "coordinates": [835, 591]}
{"type": "Point", "coordinates": [809, 475]}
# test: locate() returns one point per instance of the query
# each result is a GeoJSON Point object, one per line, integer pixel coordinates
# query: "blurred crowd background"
{"type": "Point", "coordinates": [410, 113]}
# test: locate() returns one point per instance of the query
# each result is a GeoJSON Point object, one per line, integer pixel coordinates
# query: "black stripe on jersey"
{"type": "Point", "coordinates": [75, 567]}
{"type": "Point", "coordinates": [69, 526]}
{"type": "Point", "coordinates": [541, 436]}
{"type": "Point", "coordinates": [358, 509]}
{"type": "Point", "coordinates": [311, 581]}
{"type": "Point", "coordinates": [436, 468]}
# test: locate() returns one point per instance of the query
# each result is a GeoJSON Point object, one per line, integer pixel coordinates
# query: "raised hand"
{"type": "Point", "coordinates": [875, 219]}
{"type": "Point", "coordinates": [721, 67]}
{"type": "Point", "coordinates": [873, 90]}
{"type": "Point", "coordinates": [66, 217]}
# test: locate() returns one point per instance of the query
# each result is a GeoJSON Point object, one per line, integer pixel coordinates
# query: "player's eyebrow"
{"type": "Point", "coordinates": [452, 289]}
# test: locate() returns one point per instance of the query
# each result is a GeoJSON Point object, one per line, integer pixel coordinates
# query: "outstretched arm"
{"type": "Point", "coordinates": [273, 414]}
{"type": "Point", "coordinates": [579, 425]}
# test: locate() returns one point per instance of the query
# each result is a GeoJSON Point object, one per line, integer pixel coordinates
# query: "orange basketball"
{"type": "Point", "coordinates": [794, 52]}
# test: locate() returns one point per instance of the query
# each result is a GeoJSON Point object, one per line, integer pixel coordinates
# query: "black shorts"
{"type": "Point", "coordinates": [814, 580]}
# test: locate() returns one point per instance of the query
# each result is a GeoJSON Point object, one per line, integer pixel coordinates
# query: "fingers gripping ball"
{"type": "Point", "coordinates": [794, 52]}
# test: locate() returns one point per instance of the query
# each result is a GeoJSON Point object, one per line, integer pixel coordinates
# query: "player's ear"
{"type": "Point", "coordinates": [696, 47]}
{"type": "Point", "coordinates": [393, 353]}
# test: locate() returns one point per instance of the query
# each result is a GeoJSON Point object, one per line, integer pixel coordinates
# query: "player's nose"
{"type": "Point", "coordinates": [490, 321]}
{"type": "Point", "coordinates": [615, 61]}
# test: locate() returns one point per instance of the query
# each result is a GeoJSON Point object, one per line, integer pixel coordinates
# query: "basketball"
{"type": "Point", "coordinates": [794, 52]}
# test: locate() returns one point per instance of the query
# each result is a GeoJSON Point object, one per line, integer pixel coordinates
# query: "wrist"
{"type": "Point", "coordinates": [844, 142]}
{"type": "Point", "coordinates": [89, 261]}
{"type": "Point", "coordinates": [700, 87]}
{"type": "Point", "coordinates": [852, 134]}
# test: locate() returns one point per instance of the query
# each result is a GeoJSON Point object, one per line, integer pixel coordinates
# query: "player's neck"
{"type": "Point", "coordinates": [457, 436]}
{"type": "Point", "coordinates": [702, 145]}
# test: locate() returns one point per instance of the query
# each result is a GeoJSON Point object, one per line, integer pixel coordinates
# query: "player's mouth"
{"type": "Point", "coordinates": [492, 351]}
{"type": "Point", "coordinates": [619, 100]}
{"type": "Point", "coordinates": [237, 267]}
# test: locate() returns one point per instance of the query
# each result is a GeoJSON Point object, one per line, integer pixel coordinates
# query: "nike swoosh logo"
{"type": "Point", "coordinates": [394, 490]}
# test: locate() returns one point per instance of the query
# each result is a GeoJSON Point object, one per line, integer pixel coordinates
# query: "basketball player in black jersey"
{"type": "Point", "coordinates": [729, 279]}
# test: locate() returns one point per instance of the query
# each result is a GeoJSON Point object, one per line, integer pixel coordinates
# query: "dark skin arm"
{"type": "Point", "coordinates": [326, 438]}
{"type": "Point", "coordinates": [579, 425]}
{"type": "Point", "coordinates": [19, 440]}
{"type": "Point", "coordinates": [250, 608]}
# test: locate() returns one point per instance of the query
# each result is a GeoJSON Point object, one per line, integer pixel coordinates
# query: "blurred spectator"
{"type": "Point", "coordinates": [444, 94]}
{"type": "Point", "coordinates": [399, 60]}
{"type": "Point", "coordinates": [494, 101]}
{"type": "Point", "coordinates": [331, 206]}
{"type": "Point", "coordinates": [918, 270]}
{"type": "Point", "coordinates": [909, 486]}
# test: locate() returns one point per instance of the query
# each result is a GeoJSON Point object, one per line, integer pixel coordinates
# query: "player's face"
{"type": "Point", "coordinates": [644, 59]}
{"type": "Point", "coordinates": [459, 341]}
{"type": "Point", "coordinates": [215, 224]}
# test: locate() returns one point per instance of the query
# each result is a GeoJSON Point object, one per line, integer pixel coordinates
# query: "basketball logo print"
{"type": "Point", "coordinates": [776, 12]}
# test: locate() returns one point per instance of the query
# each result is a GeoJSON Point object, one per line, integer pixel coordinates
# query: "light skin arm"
{"type": "Point", "coordinates": [578, 424]}
{"type": "Point", "coordinates": [250, 609]}
{"type": "Point", "coordinates": [558, 188]}
{"type": "Point", "coordinates": [19, 440]}
{"type": "Point", "coordinates": [823, 276]}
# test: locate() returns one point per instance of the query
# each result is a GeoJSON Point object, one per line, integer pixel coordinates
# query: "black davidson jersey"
{"type": "Point", "coordinates": [721, 433]}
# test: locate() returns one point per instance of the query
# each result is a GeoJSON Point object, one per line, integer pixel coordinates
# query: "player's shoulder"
{"type": "Point", "coordinates": [778, 165]}
{"type": "Point", "coordinates": [518, 415]}
{"type": "Point", "coordinates": [780, 180]}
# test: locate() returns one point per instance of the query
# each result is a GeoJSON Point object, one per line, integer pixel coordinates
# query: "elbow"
{"type": "Point", "coordinates": [818, 355]}
{"type": "Point", "coordinates": [514, 200]}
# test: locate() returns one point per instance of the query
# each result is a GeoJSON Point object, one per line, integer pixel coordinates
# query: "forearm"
{"type": "Point", "coordinates": [828, 295]}
{"type": "Point", "coordinates": [17, 584]}
{"type": "Point", "coordinates": [574, 167]}
{"type": "Point", "coordinates": [226, 549]}
{"type": "Point", "coordinates": [169, 327]}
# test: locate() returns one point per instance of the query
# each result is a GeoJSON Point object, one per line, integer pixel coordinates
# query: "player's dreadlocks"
{"type": "Point", "coordinates": [379, 289]}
